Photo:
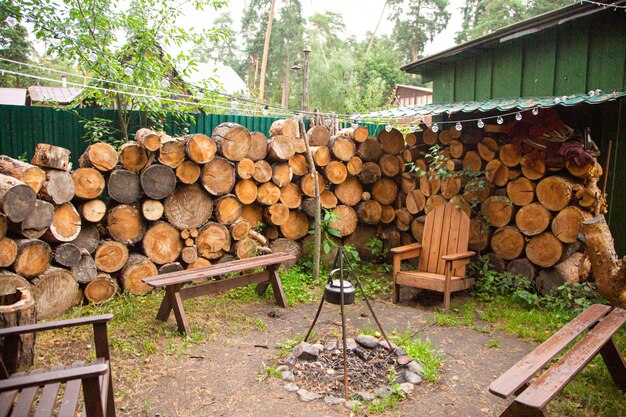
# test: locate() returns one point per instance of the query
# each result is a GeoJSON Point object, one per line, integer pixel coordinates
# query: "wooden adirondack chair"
{"type": "Point", "coordinates": [443, 255]}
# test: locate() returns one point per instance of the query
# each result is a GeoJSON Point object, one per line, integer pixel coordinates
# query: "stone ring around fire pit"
{"type": "Point", "coordinates": [315, 371]}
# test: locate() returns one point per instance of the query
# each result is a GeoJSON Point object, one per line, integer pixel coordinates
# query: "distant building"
{"type": "Point", "coordinates": [13, 96]}
{"type": "Point", "coordinates": [218, 77]}
{"type": "Point", "coordinates": [410, 95]}
{"type": "Point", "coordinates": [39, 95]}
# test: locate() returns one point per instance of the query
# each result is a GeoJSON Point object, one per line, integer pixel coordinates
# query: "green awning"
{"type": "Point", "coordinates": [502, 104]}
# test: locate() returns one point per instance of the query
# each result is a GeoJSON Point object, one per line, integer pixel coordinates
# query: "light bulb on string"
{"type": "Point", "coordinates": [327, 122]}
{"type": "Point", "coordinates": [200, 94]}
{"type": "Point", "coordinates": [165, 83]}
{"type": "Point", "coordinates": [266, 110]}
{"type": "Point", "coordinates": [11, 21]}
{"type": "Point", "coordinates": [56, 41]}
{"type": "Point", "coordinates": [129, 71]}
{"type": "Point", "coordinates": [434, 128]}
{"type": "Point", "coordinates": [388, 127]}
{"type": "Point", "coordinates": [412, 127]}
{"type": "Point", "coordinates": [4, 43]}
{"type": "Point", "coordinates": [458, 126]}
{"type": "Point", "coordinates": [234, 103]}
{"type": "Point", "coordinates": [598, 92]}
{"type": "Point", "coordinates": [592, 93]}
{"type": "Point", "coordinates": [297, 116]}
{"type": "Point", "coordinates": [535, 111]}
{"type": "Point", "coordinates": [480, 123]}
{"type": "Point", "coordinates": [93, 57]}
{"type": "Point", "coordinates": [499, 120]}
{"type": "Point", "coordinates": [518, 116]}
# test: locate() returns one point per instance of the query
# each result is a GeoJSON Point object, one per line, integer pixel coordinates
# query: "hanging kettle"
{"type": "Point", "coordinates": [332, 291]}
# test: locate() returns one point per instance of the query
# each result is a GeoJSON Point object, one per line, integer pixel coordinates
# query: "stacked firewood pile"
{"type": "Point", "coordinates": [161, 204]}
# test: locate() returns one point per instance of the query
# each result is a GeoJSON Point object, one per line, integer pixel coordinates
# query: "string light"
{"type": "Point", "coordinates": [200, 94]}
{"type": "Point", "coordinates": [266, 110]}
{"type": "Point", "coordinates": [458, 126]}
{"type": "Point", "coordinates": [4, 43]}
{"type": "Point", "coordinates": [518, 116]}
{"type": "Point", "coordinates": [480, 123]}
{"type": "Point", "coordinates": [128, 71]}
{"type": "Point", "coordinates": [435, 128]}
{"type": "Point", "coordinates": [234, 103]}
{"type": "Point", "coordinates": [165, 83]}
{"type": "Point", "coordinates": [535, 111]}
{"type": "Point", "coordinates": [592, 93]}
{"type": "Point", "coordinates": [499, 120]}
{"type": "Point", "coordinates": [92, 57]}
{"type": "Point", "coordinates": [297, 116]}
{"type": "Point", "coordinates": [412, 127]}
{"type": "Point", "coordinates": [598, 92]}
{"type": "Point", "coordinates": [388, 127]}
{"type": "Point", "coordinates": [56, 41]}
{"type": "Point", "coordinates": [11, 21]}
{"type": "Point", "coordinates": [327, 122]}
{"type": "Point", "coordinates": [604, 5]}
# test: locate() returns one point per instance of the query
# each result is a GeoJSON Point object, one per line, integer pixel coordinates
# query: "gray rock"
{"type": "Point", "coordinates": [383, 392]}
{"type": "Point", "coordinates": [367, 341]}
{"type": "Point", "coordinates": [330, 400]}
{"type": "Point", "coordinates": [361, 353]}
{"type": "Point", "coordinates": [364, 396]}
{"type": "Point", "coordinates": [282, 368]}
{"type": "Point", "coordinates": [407, 387]}
{"type": "Point", "coordinates": [400, 352]}
{"type": "Point", "coordinates": [289, 360]}
{"type": "Point", "coordinates": [404, 360]}
{"type": "Point", "coordinates": [308, 396]}
{"type": "Point", "coordinates": [287, 376]}
{"type": "Point", "coordinates": [352, 404]}
{"type": "Point", "coordinates": [350, 344]}
{"type": "Point", "coordinates": [331, 345]}
{"type": "Point", "coordinates": [306, 351]}
{"type": "Point", "coordinates": [319, 347]}
{"type": "Point", "coordinates": [412, 377]}
{"type": "Point", "coordinates": [383, 343]}
{"type": "Point", "coordinates": [416, 367]}
{"type": "Point", "coordinates": [291, 387]}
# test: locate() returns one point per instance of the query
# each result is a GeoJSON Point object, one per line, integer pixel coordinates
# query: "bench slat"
{"type": "Point", "coordinates": [26, 398]}
{"type": "Point", "coordinates": [519, 374]}
{"type": "Point", "coordinates": [48, 397]}
{"type": "Point", "coordinates": [70, 395]}
{"type": "Point", "coordinates": [7, 398]}
{"type": "Point", "coordinates": [548, 385]}
{"type": "Point", "coordinates": [181, 277]}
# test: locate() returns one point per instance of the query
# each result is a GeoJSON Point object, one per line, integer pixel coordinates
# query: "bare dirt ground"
{"type": "Point", "coordinates": [220, 377]}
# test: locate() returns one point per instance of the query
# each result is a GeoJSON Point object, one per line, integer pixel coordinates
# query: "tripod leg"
{"type": "Point", "coordinates": [319, 310]}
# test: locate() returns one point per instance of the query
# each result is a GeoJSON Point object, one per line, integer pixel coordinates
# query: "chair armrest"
{"type": "Point", "coordinates": [406, 252]}
{"type": "Point", "coordinates": [51, 377]}
{"type": "Point", "coordinates": [406, 248]}
{"type": "Point", "coordinates": [32, 328]}
{"type": "Point", "coordinates": [457, 256]}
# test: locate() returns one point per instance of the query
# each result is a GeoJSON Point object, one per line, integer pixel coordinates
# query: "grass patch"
{"type": "Point", "coordinates": [421, 351]}
{"type": "Point", "coordinates": [459, 315]}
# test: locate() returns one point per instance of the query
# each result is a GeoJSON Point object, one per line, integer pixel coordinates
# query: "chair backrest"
{"type": "Point", "coordinates": [446, 232]}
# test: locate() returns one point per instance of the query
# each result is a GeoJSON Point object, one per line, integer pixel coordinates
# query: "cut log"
{"type": "Point", "coordinates": [508, 243]}
{"type": "Point", "coordinates": [246, 248]}
{"type": "Point", "coordinates": [472, 162]}
{"type": "Point", "coordinates": [200, 263]}
{"type": "Point", "coordinates": [521, 191]}
{"type": "Point", "coordinates": [137, 268]}
{"type": "Point", "coordinates": [532, 219]}
{"type": "Point", "coordinates": [218, 177]}
{"type": "Point", "coordinates": [391, 142]}
{"type": "Point", "coordinates": [188, 172]}
{"type": "Point", "coordinates": [252, 213]}
{"type": "Point", "coordinates": [456, 149]}
{"type": "Point", "coordinates": [281, 148]}
{"type": "Point", "coordinates": [240, 229]}
{"type": "Point", "coordinates": [101, 289]}
{"type": "Point", "coordinates": [58, 188]}
{"type": "Point", "coordinates": [299, 165]}
{"type": "Point", "coordinates": [16, 198]}
{"type": "Point", "coordinates": [162, 243]}
{"type": "Point", "coordinates": [361, 240]}
{"type": "Point", "coordinates": [67, 254]}
{"type": "Point", "coordinates": [93, 211]}
{"type": "Point", "coordinates": [430, 184]}
{"type": "Point", "coordinates": [297, 225]}
{"type": "Point", "coordinates": [149, 139]}
{"type": "Point", "coordinates": [268, 194]}
{"type": "Point", "coordinates": [287, 246]}
{"type": "Point", "coordinates": [152, 210]}
{"type": "Point", "coordinates": [495, 262]}
{"type": "Point", "coordinates": [227, 209]}
{"type": "Point", "coordinates": [287, 127]}
{"type": "Point", "coordinates": [259, 237]}
{"type": "Point", "coordinates": [111, 256]}
{"type": "Point", "coordinates": [403, 220]}
{"type": "Point", "coordinates": [408, 182]}
{"type": "Point", "coordinates": [445, 137]}
{"type": "Point", "coordinates": [281, 174]}
{"type": "Point", "coordinates": [85, 270]}
{"type": "Point", "coordinates": [343, 148]}
{"type": "Point", "coordinates": [258, 146]}
{"type": "Point", "coordinates": [369, 212]}
{"type": "Point", "coordinates": [4, 224]}
{"type": "Point", "coordinates": [354, 165]}
{"type": "Point", "coordinates": [123, 186]}
{"type": "Point", "coordinates": [412, 139]}
{"type": "Point", "coordinates": [568, 223]}
{"type": "Point", "coordinates": [532, 168]}
{"type": "Point", "coordinates": [390, 166]}
{"type": "Point", "coordinates": [349, 192]}
{"type": "Point", "coordinates": [370, 150]}
{"type": "Point", "coordinates": [157, 181]}
{"type": "Point", "coordinates": [415, 201]}
{"type": "Point", "coordinates": [246, 191]}
{"type": "Point", "coordinates": [172, 153]}
{"type": "Point", "coordinates": [433, 202]}
{"type": "Point", "coordinates": [576, 268]}
{"type": "Point", "coordinates": [417, 228]}
{"type": "Point", "coordinates": [66, 224]}
{"type": "Point", "coordinates": [31, 175]}
{"type": "Point", "coordinates": [509, 155]}
{"type": "Point", "coordinates": [450, 187]}
{"type": "Point", "coordinates": [262, 171]}
{"type": "Point", "coordinates": [318, 135]}
{"type": "Point", "coordinates": [56, 291]}
{"type": "Point", "coordinates": [188, 207]}
{"type": "Point", "coordinates": [497, 210]}
{"type": "Point", "coordinates": [488, 148]}
{"type": "Point", "coordinates": [88, 183]}
{"type": "Point", "coordinates": [577, 171]}
{"type": "Point", "coordinates": [321, 155]}
{"type": "Point", "coordinates": [8, 252]}
{"type": "Point", "coordinates": [336, 172]}
{"type": "Point", "coordinates": [245, 168]}
{"type": "Point", "coordinates": [346, 221]}
{"type": "Point", "coordinates": [523, 267]}
{"type": "Point", "coordinates": [328, 200]}
{"type": "Point", "coordinates": [88, 239]}
{"type": "Point", "coordinates": [327, 257]}
{"type": "Point", "coordinates": [430, 137]}
{"type": "Point", "coordinates": [479, 235]}
{"type": "Point", "coordinates": [371, 173]}
{"type": "Point", "coordinates": [125, 224]}
{"type": "Point", "coordinates": [477, 190]}
{"type": "Point", "coordinates": [544, 250]}
{"type": "Point", "coordinates": [200, 148]}
{"type": "Point", "coordinates": [306, 184]}
{"type": "Point", "coordinates": [277, 214]}
{"type": "Point", "coordinates": [133, 156]}
{"type": "Point", "coordinates": [100, 156]}
{"type": "Point", "coordinates": [171, 267]}
{"type": "Point", "coordinates": [18, 309]}
{"type": "Point", "coordinates": [37, 222]}
{"type": "Point", "coordinates": [51, 156]}
{"type": "Point", "coordinates": [497, 173]}
{"type": "Point", "coordinates": [213, 240]}
{"type": "Point", "coordinates": [385, 191]}
{"type": "Point", "coordinates": [290, 196]}
{"type": "Point", "coordinates": [189, 254]}
{"type": "Point", "coordinates": [555, 193]}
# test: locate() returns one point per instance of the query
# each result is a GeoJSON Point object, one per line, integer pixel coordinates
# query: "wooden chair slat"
{"type": "Point", "coordinates": [26, 398]}
{"type": "Point", "coordinates": [48, 397]}
{"type": "Point", "coordinates": [426, 242]}
{"type": "Point", "coordinates": [515, 378]}
{"type": "Point", "coordinates": [69, 403]}
{"type": "Point", "coordinates": [444, 238]}
{"type": "Point", "coordinates": [551, 382]}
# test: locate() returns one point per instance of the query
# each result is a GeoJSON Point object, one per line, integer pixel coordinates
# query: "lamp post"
{"type": "Point", "coordinates": [305, 79]}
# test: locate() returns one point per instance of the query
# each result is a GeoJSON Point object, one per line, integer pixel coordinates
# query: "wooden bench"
{"type": "Point", "coordinates": [532, 398]}
{"type": "Point", "coordinates": [18, 391]}
{"type": "Point", "coordinates": [175, 294]}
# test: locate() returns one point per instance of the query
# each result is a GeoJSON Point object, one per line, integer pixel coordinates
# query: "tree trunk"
{"type": "Point", "coordinates": [544, 250]}
{"type": "Point", "coordinates": [246, 248]}
{"type": "Point", "coordinates": [133, 156]}
{"type": "Point", "coordinates": [123, 186]}
{"type": "Point", "coordinates": [16, 198]}
{"type": "Point", "coordinates": [240, 229]}
{"type": "Point", "coordinates": [509, 155]}
{"type": "Point", "coordinates": [200, 263]}
{"type": "Point", "coordinates": [370, 173]}
{"type": "Point", "coordinates": [299, 165]}
{"type": "Point", "coordinates": [218, 177]}
{"type": "Point", "coordinates": [252, 213]}
{"type": "Point", "coordinates": [30, 175]}
{"type": "Point", "coordinates": [328, 200]}
{"type": "Point", "coordinates": [403, 220]}
{"type": "Point", "coordinates": [200, 148]}
{"type": "Point", "coordinates": [288, 246]}
{"type": "Point", "coordinates": [4, 225]}
{"type": "Point", "coordinates": [385, 191]}
{"type": "Point", "coordinates": [555, 193]}
{"type": "Point", "coordinates": [172, 153]}
{"type": "Point", "coordinates": [349, 192]}
{"type": "Point", "coordinates": [56, 291]}
{"type": "Point", "coordinates": [450, 187]}
{"type": "Point", "coordinates": [100, 156]}
{"type": "Point", "coordinates": [307, 184]}
{"type": "Point", "coordinates": [125, 224]}
{"type": "Point", "coordinates": [574, 269]}
{"type": "Point", "coordinates": [347, 220]}
{"type": "Point", "coordinates": [342, 148]}
{"type": "Point", "coordinates": [51, 156]}
{"type": "Point", "coordinates": [415, 201]}
{"type": "Point", "coordinates": [213, 240]}
{"type": "Point", "coordinates": [188, 207]}
{"type": "Point", "coordinates": [93, 211]}
{"type": "Point", "coordinates": [171, 267]}
{"type": "Point", "coordinates": [88, 239]}
{"type": "Point", "coordinates": [568, 223]}
{"type": "Point", "coordinates": [390, 166]}
{"type": "Point", "coordinates": [521, 191]}
{"type": "Point", "coordinates": [137, 268]}
{"type": "Point", "coordinates": [101, 289]}
{"type": "Point", "coordinates": [392, 142]}
{"type": "Point", "coordinates": [497, 173]}
{"type": "Point", "coordinates": [88, 183]}
{"type": "Point", "coordinates": [189, 254]}
{"type": "Point", "coordinates": [532, 219]}
{"type": "Point", "coordinates": [532, 168]}
{"type": "Point", "coordinates": [268, 194]}
{"type": "Point", "coordinates": [487, 148]}
{"type": "Point", "coordinates": [18, 309]}
{"type": "Point", "coordinates": [321, 155]}
{"type": "Point", "coordinates": [233, 141]}
{"type": "Point", "coordinates": [258, 146]}
{"type": "Point", "coordinates": [111, 256]}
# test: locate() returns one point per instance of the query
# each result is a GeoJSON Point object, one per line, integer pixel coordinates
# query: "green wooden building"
{"type": "Point", "coordinates": [555, 59]}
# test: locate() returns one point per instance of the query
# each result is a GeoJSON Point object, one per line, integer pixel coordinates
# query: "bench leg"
{"type": "Point", "coordinates": [179, 312]}
{"type": "Point", "coordinates": [277, 287]}
{"type": "Point", "coordinates": [166, 305]}
{"type": "Point", "coordinates": [261, 288]}
{"type": "Point", "coordinates": [520, 410]}
{"type": "Point", "coordinates": [615, 363]}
